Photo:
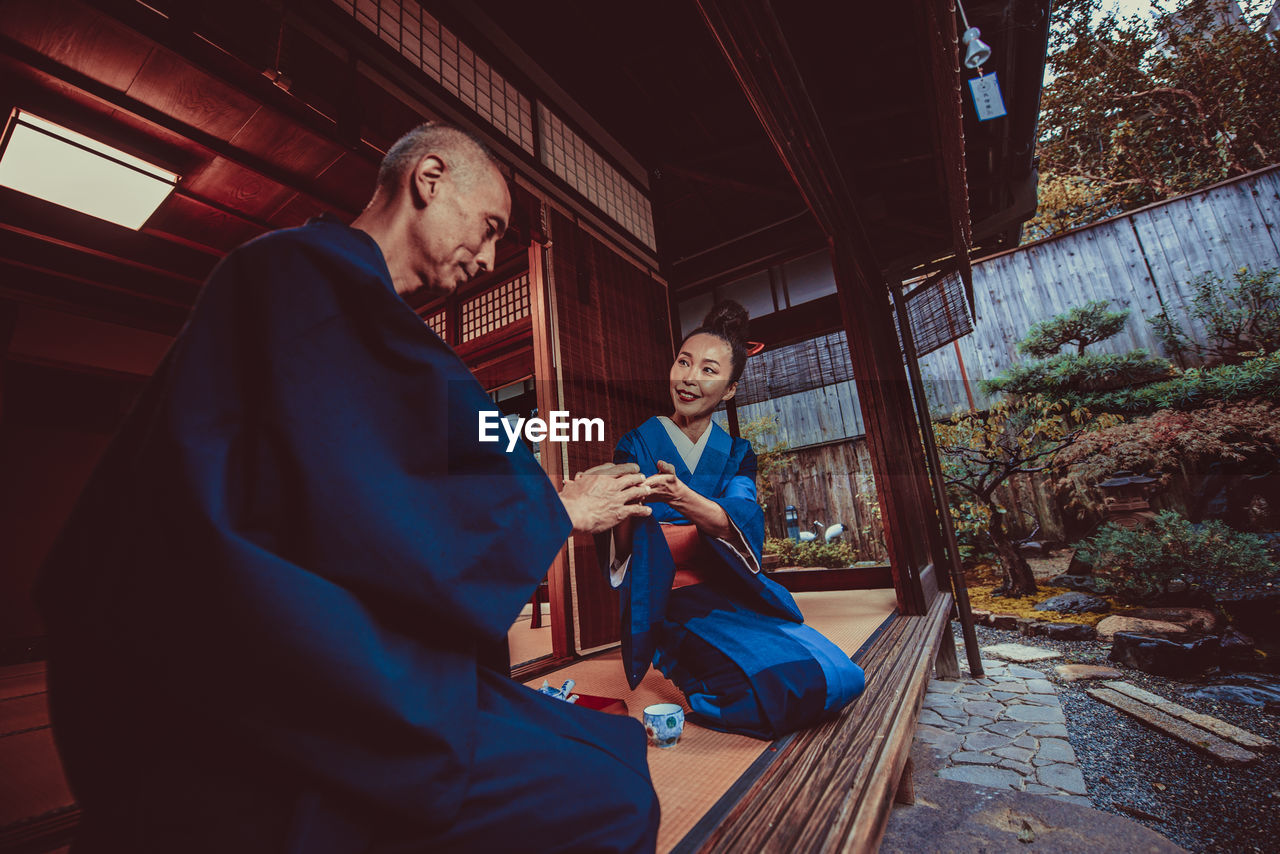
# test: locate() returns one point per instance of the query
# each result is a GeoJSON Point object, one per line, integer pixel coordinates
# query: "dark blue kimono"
{"type": "Point", "coordinates": [736, 645]}
{"type": "Point", "coordinates": [266, 611]}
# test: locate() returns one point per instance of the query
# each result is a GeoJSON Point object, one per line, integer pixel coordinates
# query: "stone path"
{"type": "Point", "coordinates": [1005, 730]}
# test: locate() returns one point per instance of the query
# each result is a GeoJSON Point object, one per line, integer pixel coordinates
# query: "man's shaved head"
{"type": "Point", "coordinates": [440, 208]}
{"type": "Point", "coordinates": [462, 152]}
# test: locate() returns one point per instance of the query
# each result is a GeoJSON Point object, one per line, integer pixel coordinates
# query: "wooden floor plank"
{"type": "Point", "coordinates": [832, 788]}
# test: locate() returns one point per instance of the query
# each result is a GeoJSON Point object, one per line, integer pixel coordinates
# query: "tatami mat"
{"type": "Point", "coordinates": [694, 774]}
{"type": "Point", "coordinates": [528, 644]}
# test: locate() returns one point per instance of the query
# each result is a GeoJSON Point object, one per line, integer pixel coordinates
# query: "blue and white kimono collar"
{"type": "Point", "coordinates": [689, 450]}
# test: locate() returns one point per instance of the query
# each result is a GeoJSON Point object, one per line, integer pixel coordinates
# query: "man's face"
{"type": "Point", "coordinates": [458, 231]}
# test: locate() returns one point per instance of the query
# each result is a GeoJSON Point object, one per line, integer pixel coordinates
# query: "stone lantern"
{"type": "Point", "coordinates": [1125, 500]}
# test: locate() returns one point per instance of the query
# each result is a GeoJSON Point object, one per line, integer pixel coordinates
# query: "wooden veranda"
{"type": "Point", "coordinates": [659, 153]}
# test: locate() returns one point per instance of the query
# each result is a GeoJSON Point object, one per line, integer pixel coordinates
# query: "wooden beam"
{"type": "Point", "coordinates": [832, 787]}
{"type": "Point", "coordinates": [104, 94]}
{"type": "Point", "coordinates": [938, 18]}
{"type": "Point", "coordinates": [799, 323]}
{"type": "Point", "coordinates": [758, 53]}
{"type": "Point", "coordinates": [726, 183]}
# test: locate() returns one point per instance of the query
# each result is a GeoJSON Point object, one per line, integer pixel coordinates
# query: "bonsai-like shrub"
{"type": "Point", "coordinates": [1139, 564]}
{"type": "Point", "coordinates": [1259, 377]}
{"type": "Point", "coordinates": [1081, 326]}
{"type": "Point", "coordinates": [1068, 373]}
{"type": "Point", "coordinates": [1057, 374]}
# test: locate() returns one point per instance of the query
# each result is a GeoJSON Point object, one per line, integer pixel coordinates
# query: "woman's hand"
{"type": "Point", "coordinates": [665, 486]}
{"type": "Point", "coordinates": [601, 497]}
{"type": "Point", "coordinates": [708, 516]}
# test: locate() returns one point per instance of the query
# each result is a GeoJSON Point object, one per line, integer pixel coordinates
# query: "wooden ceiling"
{"type": "Point", "coordinates": [181, 83]}
{"type": "Point", "coordinates": [652, 74]}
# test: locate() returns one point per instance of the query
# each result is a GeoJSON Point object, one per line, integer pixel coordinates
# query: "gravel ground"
{"type": "Point", "coordinates": [1153, 778]}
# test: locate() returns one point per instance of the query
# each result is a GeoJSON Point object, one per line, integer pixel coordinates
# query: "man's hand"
{"type": "Point", "coordinates": [601, 497]}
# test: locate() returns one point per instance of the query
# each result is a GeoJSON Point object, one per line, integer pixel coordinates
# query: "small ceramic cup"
{"type": "Point", "coordinates": [664, 723]}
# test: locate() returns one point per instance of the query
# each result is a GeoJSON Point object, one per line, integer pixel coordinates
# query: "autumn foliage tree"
{"type": "Point", "coordinates": [1144, 108]}
{"type": "Point", "coordinates": [1234, 442]}
{"type": "Point", "coordinates": [982, 450]}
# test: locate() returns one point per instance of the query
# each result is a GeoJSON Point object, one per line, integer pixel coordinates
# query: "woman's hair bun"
{"type": "Point", "coordinates": [728, 319]}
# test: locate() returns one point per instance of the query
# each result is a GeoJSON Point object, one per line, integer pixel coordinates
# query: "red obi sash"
{"type": "Point", "coordinates": [689, 553]}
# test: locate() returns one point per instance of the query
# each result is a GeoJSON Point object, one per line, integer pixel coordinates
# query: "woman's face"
{"type": "Point", "coordinates": [700, 376]}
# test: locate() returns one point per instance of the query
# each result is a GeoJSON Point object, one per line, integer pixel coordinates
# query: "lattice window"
{"type": "Point", "coordinates": [569, 156]}
{"type": "Point", "coordinates": [439, 323]}
{"type": "Point", "coordinates": [449, 61]}
{"type": "Point", "coordinates": [496, 308]}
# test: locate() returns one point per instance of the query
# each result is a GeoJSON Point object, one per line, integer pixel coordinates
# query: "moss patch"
{"type": "Point", "coordinates": [981, 597]}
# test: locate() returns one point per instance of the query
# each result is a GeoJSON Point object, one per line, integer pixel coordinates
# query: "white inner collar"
{"type": "Point", "coordinates": [689, 450]}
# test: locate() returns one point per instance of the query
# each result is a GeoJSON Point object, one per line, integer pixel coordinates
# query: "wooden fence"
{"type": "Point", "coordinates": [832, 484]}
{"type": "Point", "coordinates": [1145, 261]}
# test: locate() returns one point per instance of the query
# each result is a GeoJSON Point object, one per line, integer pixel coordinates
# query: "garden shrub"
{"type": "Point", "coordinates": [1075, 372]}
{"type": "Point", "coordinates": [812, 554]}
{"type": "Point", "coordinates": [1237, 319]}
{"type": "Point", "coordinates": [1070, 372]}
{"type": "Point", "coordinates": [971, 520]}
{"type": "Point", "coordinates": [1244, 434]}
{"type": "Point", "coordinates": [1139, 564]}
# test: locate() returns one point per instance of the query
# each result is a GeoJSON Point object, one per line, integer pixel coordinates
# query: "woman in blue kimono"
{"type": "Point", "coordinates": [694, 602]}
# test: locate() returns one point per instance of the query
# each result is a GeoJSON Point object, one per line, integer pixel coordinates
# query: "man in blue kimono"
{"type": "Point", "coordinates": [266, 611]}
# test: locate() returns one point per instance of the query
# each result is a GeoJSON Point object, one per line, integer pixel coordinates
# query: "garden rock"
{"type": "Point", "coordinates": [1033, 628]}
{"type": "Point", "coordinates": [1109, 626]}
{"type": "Point", "coordinates": [1076, 672]}
{"type": "Point", "coordinates": [1074, 603]}
{"type": "Point", "coordinates": [1237, 650]}
{"type": "Point", "coordinates": [1002, 621]}
{"type": "Point", "coordinates": [1251, 689]}
{"type": "Point", "coordinates": [1164, 657]}
{"type": "Point", "coordinates": [1193, 619]}
{"type": "Point", "coordinates": [1081, 583]}
{"type": "Point", "coordinates": [1070, 631]}
{"type": "Point", "coordinates": [1018, 652]}
{"type": "Point", "coordinates": [1253, 612]}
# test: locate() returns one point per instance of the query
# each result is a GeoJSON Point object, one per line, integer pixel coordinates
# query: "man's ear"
{"type": "Point", "coordinates": [426, 179]}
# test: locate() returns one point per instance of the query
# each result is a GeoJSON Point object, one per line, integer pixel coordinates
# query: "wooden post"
{"type": "Point", "coordinates": [947, 665]}
{"type": "Point", "coordinates": [544, 374]}
{"type": "Point", "coordinates": [892, 437]}
{"type": "Point", "coordinates": [752, 41]}
{"type": "Point", "coordinates": [906, 793]}
{"type": "Point", "coordinates": [731, 409]}
{"type": "Point", "coordinates": [951, 559]}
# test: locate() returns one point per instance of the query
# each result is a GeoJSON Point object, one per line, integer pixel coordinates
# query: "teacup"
{"type": "Point", "coordinates": [664, 722]}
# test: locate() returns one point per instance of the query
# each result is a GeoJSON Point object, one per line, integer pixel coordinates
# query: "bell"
{"type": "Point", "coordinates": [976, 50]}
